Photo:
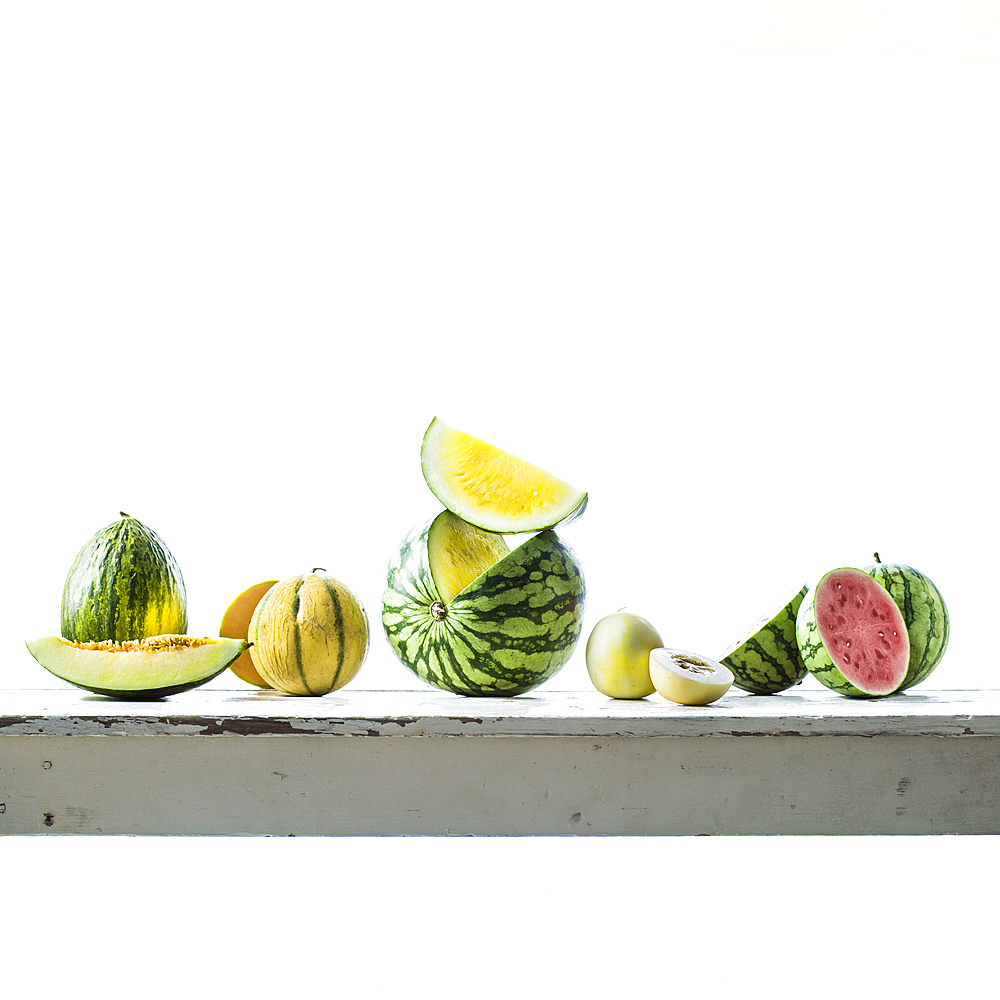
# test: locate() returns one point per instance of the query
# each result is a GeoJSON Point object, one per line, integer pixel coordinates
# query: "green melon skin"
{"type": "Point", "coordinates": [769, 661]}
{"type": "Point", "coordinates": [508, 631]}
{"type": "Point", "coordinates": [924, 613]}
{"type": "Point", "coordinates": [124, 584]}
{"type": "Point", "coordinates": [817, 659]}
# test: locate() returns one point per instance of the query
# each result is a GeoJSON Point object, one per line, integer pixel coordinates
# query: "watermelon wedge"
{"type": "Point", "coordinates": [766, 659]}
{"type": "Point", "coordinates": [491, 488]}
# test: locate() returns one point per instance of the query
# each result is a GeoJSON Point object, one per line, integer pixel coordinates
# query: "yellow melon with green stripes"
{"type": "Point", "coordinates": [309, 635]}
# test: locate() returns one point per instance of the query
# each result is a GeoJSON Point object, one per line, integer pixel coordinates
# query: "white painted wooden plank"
{"type": "Point", "coordinates": [221, 762]}
{"type": "Point", "coordinates": [417, 713]}
{"type": "Point", "coordinates": [517, 786]}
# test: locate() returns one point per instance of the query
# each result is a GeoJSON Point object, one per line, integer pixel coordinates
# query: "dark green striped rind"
{"type": "Point", "coordinates": [511, 629]}
{"type": "Point", "coordinates": [924, 614]}
{"type": "Point", "coordinates": [769, 661]}
{"type": "Point", "coordinates": [124, 584]}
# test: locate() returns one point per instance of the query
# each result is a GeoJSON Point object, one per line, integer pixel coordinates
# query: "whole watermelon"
{"type": "Point", "coordinates": [509, 630]}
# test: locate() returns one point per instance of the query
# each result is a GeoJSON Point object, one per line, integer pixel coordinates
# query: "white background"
{"type": "Point", "coordinates": [732, 268]}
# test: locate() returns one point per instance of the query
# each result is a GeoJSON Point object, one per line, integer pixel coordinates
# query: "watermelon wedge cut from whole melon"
{"type": "Point", "coordinates": [852, 635]}
{"type": "Point", "coordinates": [492, 489]}
{"type": "Point", "coordinates": [766, 658]}
{"type": "Point", "coordinates": [924, 613]}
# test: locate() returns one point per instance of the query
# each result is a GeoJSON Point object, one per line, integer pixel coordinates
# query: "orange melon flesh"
{"type": "Point", "coordinates": [491, 488]}
{"type": "Point", "coordinates": [236, 625]}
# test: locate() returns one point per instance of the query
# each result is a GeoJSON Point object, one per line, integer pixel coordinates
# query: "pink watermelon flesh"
{"type": "Point", "coordinates": [862, 630]}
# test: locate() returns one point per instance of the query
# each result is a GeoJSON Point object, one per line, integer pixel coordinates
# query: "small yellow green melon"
{"type": "Point", "coordinates": [308, 635]}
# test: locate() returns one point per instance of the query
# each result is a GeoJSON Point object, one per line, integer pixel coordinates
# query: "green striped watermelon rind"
{"type": "Point", "coordinates": [514, 627]}
{"type": "Point", "coordinates": [767, 660]}
{"type": "Point", "coordinates": [814, 654]}
{"type": "Point", "coordinates": [925, 615]}
{"type": "Point", "coordinates": [124, 584]}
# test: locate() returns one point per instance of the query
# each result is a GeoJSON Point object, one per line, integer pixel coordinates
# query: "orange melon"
{"type": "Point", "coordinates": [236, 625]}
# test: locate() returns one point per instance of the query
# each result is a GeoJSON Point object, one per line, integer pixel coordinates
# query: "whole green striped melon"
{"type": "Point", "coordinates": [505, 632]}
{"type": "Point", "coordinates": [766, 658]}
{"type": "Point", "coordinates": [124, 584]}
{"type": "Point", "coordinates": [852, 636]}
{"type": "Point", "coordinates": [924, 614]}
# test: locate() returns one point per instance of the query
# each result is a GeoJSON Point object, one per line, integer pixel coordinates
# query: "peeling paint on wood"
{"type": "Point", "coordinates": [412, 763]}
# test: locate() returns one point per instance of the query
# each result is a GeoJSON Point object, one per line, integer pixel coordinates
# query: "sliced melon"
{"type": "Point", "coordinates": [687, 678]}
{"type": "Point", "coordinates": [236, 625]}
{"type": "Point", "coordinates": [459, 552]}
{"type": "Point", "coordinates": [138, 669]}
{"type": "Point", "coordinates": [492, 489]}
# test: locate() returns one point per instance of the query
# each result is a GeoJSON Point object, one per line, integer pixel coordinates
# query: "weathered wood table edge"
{"type": "Point", "coordinates": [424, 762]}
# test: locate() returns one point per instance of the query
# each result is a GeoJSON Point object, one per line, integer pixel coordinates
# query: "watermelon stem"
{"type": "Point", "coordinates": [877, 558]}
{"type": "Point", "coordinates": [438, 611]}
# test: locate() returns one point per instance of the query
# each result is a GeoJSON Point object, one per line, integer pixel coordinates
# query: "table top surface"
{"type": "Point", "coordinates": [349, 712]}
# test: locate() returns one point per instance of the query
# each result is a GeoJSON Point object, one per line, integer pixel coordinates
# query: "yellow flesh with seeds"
{"type": "Point", "coordinates": [458, 552]}
{"type": "Point", "coordinates": [489, 486]}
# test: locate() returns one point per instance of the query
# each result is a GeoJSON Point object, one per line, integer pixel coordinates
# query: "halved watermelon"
{"type": "Point", "coordinates": [852, 635]}
{"type": "Point", "coordinates": [490, 488]}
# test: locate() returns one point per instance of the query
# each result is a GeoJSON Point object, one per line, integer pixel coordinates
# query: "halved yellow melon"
{"type": "Point", "coordinates": [491, 488]}
{"type": "Point", "coordinates": [139, 669]}
{"type": "Point", "coordinates": [687, 678]}
{"type": "Point", "coordinates": [236, 625]}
